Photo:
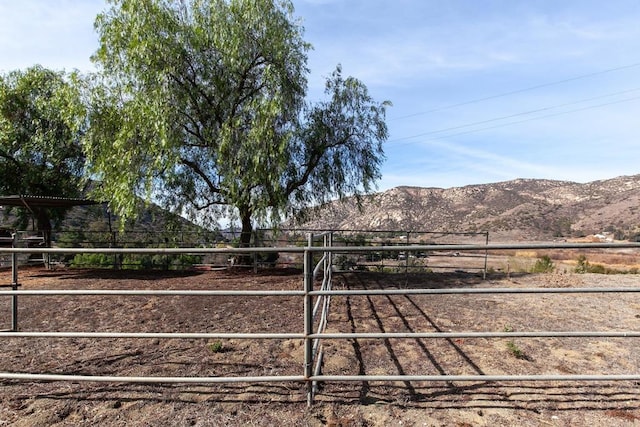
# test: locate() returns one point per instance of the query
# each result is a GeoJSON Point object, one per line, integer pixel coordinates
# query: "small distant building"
{"type": "Point", "coordinates": [604, 237]}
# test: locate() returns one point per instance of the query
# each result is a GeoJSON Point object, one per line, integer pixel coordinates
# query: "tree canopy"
{"type": "Point", "coordinates": [42, 121]}
{"type": "Point", "coordinates": [200, 105]}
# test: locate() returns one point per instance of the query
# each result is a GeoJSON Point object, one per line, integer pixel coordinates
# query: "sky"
{"type": "Point", "coordinates": [482, 91]}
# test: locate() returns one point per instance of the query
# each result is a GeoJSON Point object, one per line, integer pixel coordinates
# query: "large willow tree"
{"type": "Point", "coordinates": [200, 105]}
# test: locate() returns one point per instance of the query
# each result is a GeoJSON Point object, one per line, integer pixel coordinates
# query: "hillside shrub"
{"type": "Point", "coordinates": [584, 266]}
{"type": "Point", "coordinates": [543, 265]}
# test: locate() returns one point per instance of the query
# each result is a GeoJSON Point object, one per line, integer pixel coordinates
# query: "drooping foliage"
{"type": "Point", "coordinates": [200, 105]}
{"type": "Point", "coordinates": [42, 121]}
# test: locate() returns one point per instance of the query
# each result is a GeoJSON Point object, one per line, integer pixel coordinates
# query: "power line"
{"type": "Point", "coordinates": [473, 101]}
{"type": "Point", "coordinates": [515, 115]}
{"type": "Point", "coordinates": [526, 120]}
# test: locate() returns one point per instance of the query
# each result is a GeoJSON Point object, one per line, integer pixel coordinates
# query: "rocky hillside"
{"type": "Point", "coordinates": [522, 209]}
{"type": "Point", "coordinates": [93, 225]}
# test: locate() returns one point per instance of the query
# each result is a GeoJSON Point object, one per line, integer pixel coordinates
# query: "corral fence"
{"type": "Point", "coordinates": [375, 258]}
{"type": "Point", "coordinates": [316, 293]}
{"type": "Point", "coordinates": [372, 260]}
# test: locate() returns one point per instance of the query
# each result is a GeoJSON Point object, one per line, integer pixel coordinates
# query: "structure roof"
{"type": "Point", "coordinates": [44, 201]}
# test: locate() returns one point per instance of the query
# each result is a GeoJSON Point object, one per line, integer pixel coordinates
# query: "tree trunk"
{"type": "Point", "coordinates": [245, 236]}
{"type": "Point", "coordinates": [247, 229]}
{"type": "Point", "coordinates": [43, 224]}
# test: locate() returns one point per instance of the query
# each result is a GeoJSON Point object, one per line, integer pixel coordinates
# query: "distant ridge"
{"type": "Point", "coordinates": [96, 218]}
{"type": "Point", "coordinates": [521, 209]}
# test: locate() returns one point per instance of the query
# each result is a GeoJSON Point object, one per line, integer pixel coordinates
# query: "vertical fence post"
{"type": "Point", "coordinates": [330, 257]}
{"type": "Point", "coordinates": [14, 284]}
{"type": "Point", "coordinates": [308, 319]}
{"type": "Point", "coordinates": [406, 255]}
{"type": "Point", "coordinates": [486, 255]}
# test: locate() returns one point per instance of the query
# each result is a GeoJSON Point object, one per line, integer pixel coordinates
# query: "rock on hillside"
{"type": "Point", "coordinates": [522, 209]}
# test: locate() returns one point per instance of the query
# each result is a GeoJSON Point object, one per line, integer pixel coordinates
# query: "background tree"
{"type": "Point", "coordinates": [200, 105]}
{"type": "Point", "coordinates": [42, 120]}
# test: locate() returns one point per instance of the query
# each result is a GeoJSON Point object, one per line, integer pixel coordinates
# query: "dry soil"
{"type": "Point", "coordinates": [38, 403]}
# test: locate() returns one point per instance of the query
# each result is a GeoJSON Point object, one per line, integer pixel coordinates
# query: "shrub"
{"type": "Point", "coordinates": [585, 267]}
{"type": "Point", "coordinates": [516, 351]}
{"type": "Point", "coordinates": [216, 347]}
{"type": "Point", "coordinates": [136, 261]}
{"type": "Point", "coordinates": [597, 268]}
{"type": "Point", "coordinates": [543, 265]}
{"type": "Point", "coordinates": [92, 260]}
{"type": "Point", "coordinates": [186, 260]}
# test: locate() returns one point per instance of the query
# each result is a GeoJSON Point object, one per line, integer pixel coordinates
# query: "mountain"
{"type": "Point", "coordinates": [521, 209]}
{"type": "Point", "coordinates": [94, 224]}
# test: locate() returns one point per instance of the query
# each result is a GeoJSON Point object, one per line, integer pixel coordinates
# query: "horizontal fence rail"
{"type": "Point", "coordinates": [332, 249]}
{"type": "Point", "coordinates": [476, 291]}
{"type": "Point", "coordinates": [336, 292]}
{"type": "Point", "coordinates": [164, 335]}
{"type": "Point", "coordinates": [152, 380]}
{"type": "Point", "coordinates": [151, 292]}
{"type": "Point", "coordinates": [559, 334]}
{"type": "Point", "coordinates": [475, 378]}
{"type": "Point", "coordinates": [315, 309]}
{"type": "Point", "coordinates": [326, 335]}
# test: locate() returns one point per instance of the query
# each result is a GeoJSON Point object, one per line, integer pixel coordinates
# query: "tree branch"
{"type": "Point", "coordinates": [312, 163]}
{"type": "Point", "coordinates": [196, 169]}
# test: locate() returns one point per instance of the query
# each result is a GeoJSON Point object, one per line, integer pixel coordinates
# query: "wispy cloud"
{"type": "Point", "coordinates": [53, 33]}
{"type": "Point", "coordinates": [500, 165]}
{"type": "Point", "coordinates": [400, 51]}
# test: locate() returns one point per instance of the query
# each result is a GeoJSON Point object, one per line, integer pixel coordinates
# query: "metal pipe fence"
{"type": "Point", "coordinates": [413, 261]}
{"type": "Point", "coordinates": [324, 300]}
{"type": "Point", "coordinates": [316, 308]}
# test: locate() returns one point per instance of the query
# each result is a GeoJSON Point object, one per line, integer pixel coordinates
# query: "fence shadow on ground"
{"type": "Point", "coordinates": [409, 280]}
{"type": "Point", "coordinates": [534, 397]}
{"type": "Point", "coordinates": [377, 314]}
{"type": "Point", "coordinates": [381, 282]}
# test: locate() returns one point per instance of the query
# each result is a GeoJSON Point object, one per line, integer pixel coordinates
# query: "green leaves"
{"type": "Point", "coordinates": [201, 105]}
{"type": "Point", "coordinates": [42, 120]}
{"type": "Point", "coordinates": [339, 148]}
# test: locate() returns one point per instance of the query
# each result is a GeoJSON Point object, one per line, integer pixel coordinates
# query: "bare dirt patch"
{"type": "Point", "coordinates": [338, 404]}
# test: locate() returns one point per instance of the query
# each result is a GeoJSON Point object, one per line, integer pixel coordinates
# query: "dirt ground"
{"type": "Point", "coordinates": [27, 403]}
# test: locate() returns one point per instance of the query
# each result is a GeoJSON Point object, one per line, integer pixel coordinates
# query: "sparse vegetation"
{"type": "Point", "coordinates": [518, 264]}
{"type": "Point", "coordinates": [516, 351]}
{"type": "Point", "coordinates": [135, 262]}
{"type": "Point", "coordinates": [513, 348]}
{"type": "Point", "coordinates": [92, 260]}
{"type": "Point", "coordinates": [584, 266]}
{"type": "Point", "coordinates": [216, 347]}
{"type": "Point", "coordinates": [543, 265]}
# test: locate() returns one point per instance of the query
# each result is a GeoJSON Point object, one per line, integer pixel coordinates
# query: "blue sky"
{"type": "Point", "coordinates": [482, 91]}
